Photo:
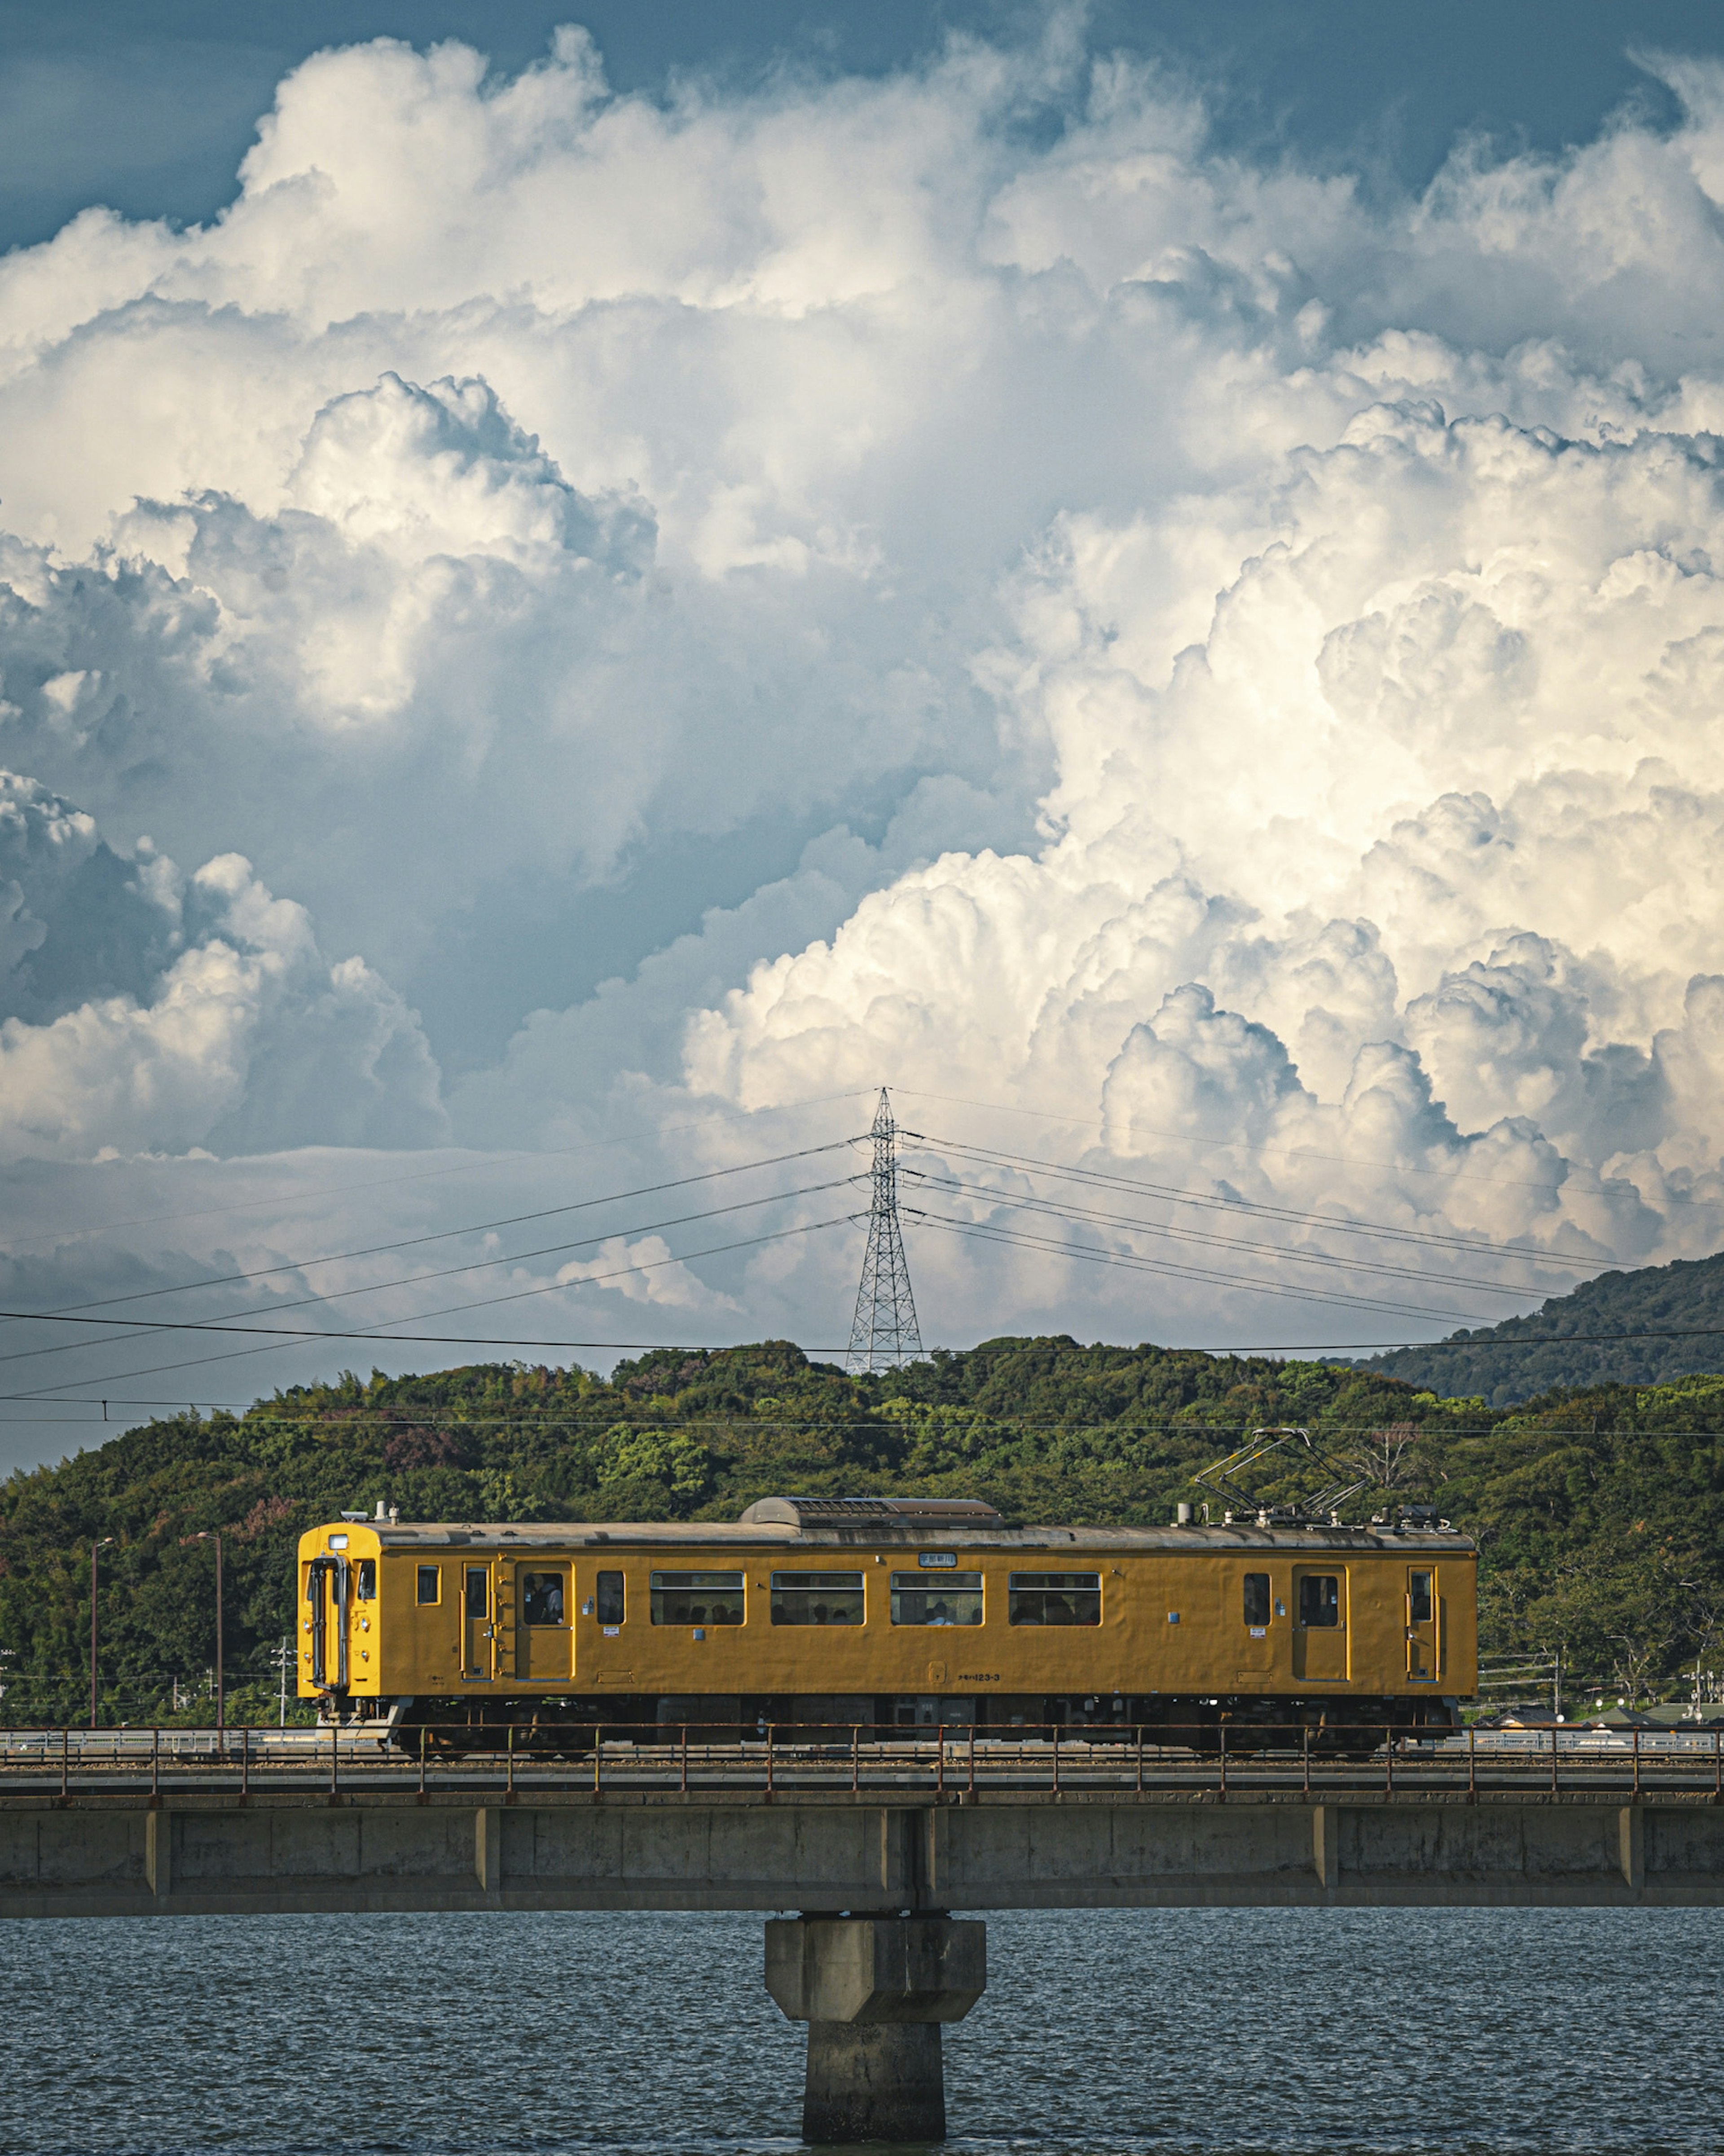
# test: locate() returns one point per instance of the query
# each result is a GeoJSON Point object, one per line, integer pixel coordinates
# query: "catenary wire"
{"type": "Point", "coordinates": [409, 1416]}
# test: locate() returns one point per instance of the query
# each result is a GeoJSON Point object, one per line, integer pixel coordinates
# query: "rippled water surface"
{"type": "Point", "coordinates": [1192, 2030]}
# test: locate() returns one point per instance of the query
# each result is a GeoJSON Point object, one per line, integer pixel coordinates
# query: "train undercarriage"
{"type": "Point", "coordinates": [1351, 1727]}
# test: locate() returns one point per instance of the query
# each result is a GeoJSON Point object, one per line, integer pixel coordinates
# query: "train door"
{"type": "Point", "coordinates": [326, 1584]}
{"type": "Point", "coordinates": [1252, 1621]}
{"type": "Point", "coordinates": [544, 1635]}
{"type": "Point", "coordinates": [1422, 1623]}
{"type": "Point", "coordinates": [475, 1622]}
{"type": "Point", "coordinates": [1319, 1621]}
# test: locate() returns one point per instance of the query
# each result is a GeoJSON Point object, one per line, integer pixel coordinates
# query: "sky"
{"type": "Point", "coordinates": [581, 590]}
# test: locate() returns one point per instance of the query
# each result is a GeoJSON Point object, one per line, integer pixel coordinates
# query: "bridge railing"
{"type": "Point", "coordinates": [857, 1760]}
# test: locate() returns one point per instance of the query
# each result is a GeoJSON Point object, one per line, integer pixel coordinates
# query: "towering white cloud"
{"type": "Point", "coordinates": [1213, 660]}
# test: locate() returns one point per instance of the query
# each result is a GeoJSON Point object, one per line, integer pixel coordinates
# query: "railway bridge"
{"type": "Point", "coordinates": [872, 1846]}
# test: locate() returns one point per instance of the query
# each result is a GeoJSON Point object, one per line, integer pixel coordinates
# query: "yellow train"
{"type": "Point", "coordinates": [894, 1613]}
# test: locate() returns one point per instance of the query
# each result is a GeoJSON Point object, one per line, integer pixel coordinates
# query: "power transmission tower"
{"type": "Point", "coordinates": [884, 1332]}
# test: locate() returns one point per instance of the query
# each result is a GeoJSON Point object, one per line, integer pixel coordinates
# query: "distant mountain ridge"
{"type": "Point", "coordinates": [1686, 1296]}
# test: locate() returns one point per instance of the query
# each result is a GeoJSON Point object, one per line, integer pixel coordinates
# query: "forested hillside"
{"type": "Point", "coordinates": [1601, 1513]}
{"type": "Point", "coordinates": [1673, 1315]}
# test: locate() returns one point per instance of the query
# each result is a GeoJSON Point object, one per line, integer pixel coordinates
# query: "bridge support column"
{"type": "Point", "coordinates": [874, 1991]}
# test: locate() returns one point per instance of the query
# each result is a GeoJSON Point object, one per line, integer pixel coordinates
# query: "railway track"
{"type": "Point", "coordinates": [1567, 1764]}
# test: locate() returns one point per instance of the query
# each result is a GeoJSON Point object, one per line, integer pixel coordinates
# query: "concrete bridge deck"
{"type": "Point", "coordinates": [215, 1852]}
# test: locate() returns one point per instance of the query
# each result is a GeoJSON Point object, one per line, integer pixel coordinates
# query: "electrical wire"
{"type": "Point", "coordinates": [431, 1174]}
{"type": "Point", "coordinates": [1091, 1256]}
{"type": "Point", "coordinates": [257, 1415]}
{"type": "Point", "coordinates": [289, 1333]}
{"type": "Point", "coordinates": [413, 1280]}
{"type": "Point", "coordinates": [411, 1415]}
{"type": "Point", "coordinates": [1289, 1152]}
{"type": "Point", "coordinates": [473, 1228]}
{"type": "Point", "coordinates": [1089, 1216]}
{"type": "Point", "coordinates": [1028, 1165]}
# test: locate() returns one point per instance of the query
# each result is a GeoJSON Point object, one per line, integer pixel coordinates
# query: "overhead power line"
{"type": "Point", "coordinates": [471, 1228]}
{"type": "Point", "coordinates": [443, 1272]}
{"type": "Point", "coordinates": [1215, 1201]}
{"type": "Point", "coordinates": [1086, 1215]}
{"type": "Point", "coordinates": [288, 1332]}
{"type": "Point", "coordinates": [1089, 1254]}
{"type": "Point", "coordinates": [485, 1162]}
{"type": "Point", "coordinates": [412, 1414]}
{"type": "Point", "coordinates": [1298, 1152]}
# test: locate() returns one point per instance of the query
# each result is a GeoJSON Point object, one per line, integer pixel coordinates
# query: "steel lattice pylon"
{"type": "Point", "coordinates": [884, 1332]}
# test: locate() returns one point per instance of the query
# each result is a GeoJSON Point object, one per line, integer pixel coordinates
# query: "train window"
{"type": "Point", "coordinates": [365, 1580]}
{"type": "Point", "coordinates": [610, 1597]}
{"type": "Point", "coordinates": [1257, 1598]}
{"type": "Point", "coordinates": [1319, 1600]}
{"type": "Point", "coordinates": [478, 1590]}
{"type": "Point", "coordinates": [430, 1582]}
{"type": "Point", "coordinates": [1418, 1598]}
{"type": "Point", "coordinates": [696, 1598]}
{"type": "Point", "coordinates": [954, 1598]}
{"type": "Point", "coordinates": [1055, 1598]}
{"type": "Point", "coordinates": [541, 1597]}
{"type": "Point", "coordinates": [817, 1597]}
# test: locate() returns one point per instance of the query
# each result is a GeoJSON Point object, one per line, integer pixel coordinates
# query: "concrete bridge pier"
{"type": "Point", "coordinates": [874, 1991]}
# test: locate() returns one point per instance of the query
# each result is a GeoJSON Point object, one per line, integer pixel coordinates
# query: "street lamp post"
{"type": "Point", "coordinates": [221, 1694]}
{"type": "Point", "coordinates": [94, 1545]}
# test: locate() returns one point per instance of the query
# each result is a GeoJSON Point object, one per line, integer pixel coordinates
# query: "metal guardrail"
{"type": "Point", "coordinates": [856, 1759]}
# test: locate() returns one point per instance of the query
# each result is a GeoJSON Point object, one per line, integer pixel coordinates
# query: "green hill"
{"type": "Point", "coordinates": [1601, 1513]}
{"type": "Point", "coordinates": [1577, 1339]}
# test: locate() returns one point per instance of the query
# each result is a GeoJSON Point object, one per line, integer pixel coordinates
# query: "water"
{"type": "Point", "coordinates": [1457, 2031]}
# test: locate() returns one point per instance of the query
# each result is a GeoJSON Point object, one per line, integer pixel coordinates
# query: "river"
{"type": "Point", "coordinates": [1237, 2031]}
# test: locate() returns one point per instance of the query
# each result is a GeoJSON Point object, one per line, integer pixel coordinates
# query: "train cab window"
{"type": "Point", "coordinates": [696, 1598]}
{"type": "Point", "coordinates": [1418, 1598]}
{"type": "Point", "coordinates": [1319, 1600]}
{"type": "Point", "coordinates": [817, 1597]}
{"type": "Point", "coordinates": [430, 1582]}
{"type": "Point", "coordinates": [609, 1597]}
{"type": "Point", "coordinates": [365, 1580]}
{"type": "Point", "coordinates": [944, 1597]}
{"type": "Point", "coordinates": [541, 1597]}
{"type": "Point", "coordinates": [1053, 1597]}
{"type": "Point", "coordinates": [478, 1591]}
{"type": "Point", "coordinates": [1257, 1598]}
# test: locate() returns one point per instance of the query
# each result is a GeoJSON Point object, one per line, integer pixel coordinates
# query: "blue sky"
{"type": "Point", "coordinates": [148, 107]}
{"type": "Point", "coordinates": [576, 596]}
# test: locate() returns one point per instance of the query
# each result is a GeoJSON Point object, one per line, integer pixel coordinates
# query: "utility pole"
{"type": "Point", "coordinates": [221, 1695]}
{"type": "Point", "coordinates": [94, 1547]}
{"type": "Point", "coordinates": [281, 1663]}
{"type": "Point", "coordinates": [884, 1332]}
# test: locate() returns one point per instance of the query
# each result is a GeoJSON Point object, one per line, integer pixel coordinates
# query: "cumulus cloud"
{"type": "Point", "coordinates": [1258, 881]}
{"type": "Point", "coordinates": [142, 1009]}
{"type": "Point", "coordinates": [645, 1271]}
{"type": "Point", "coordinates": [1222, 660]}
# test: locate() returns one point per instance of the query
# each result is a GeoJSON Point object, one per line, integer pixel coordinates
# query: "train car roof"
{"type": "Point", "coordinates": [667, 1535]}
